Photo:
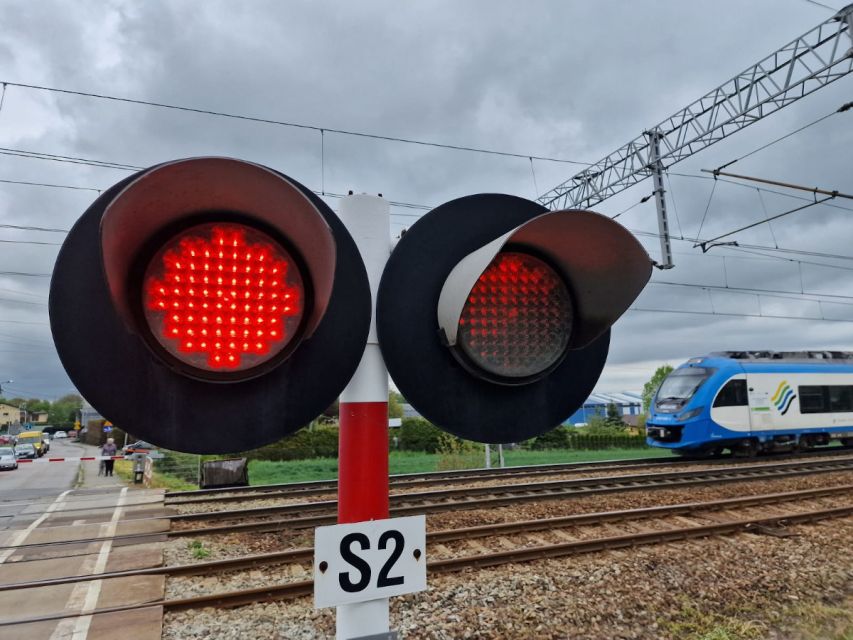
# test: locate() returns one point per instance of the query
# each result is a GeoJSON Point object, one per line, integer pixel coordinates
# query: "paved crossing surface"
{"type": "Point", "coordinates": [70, 533]}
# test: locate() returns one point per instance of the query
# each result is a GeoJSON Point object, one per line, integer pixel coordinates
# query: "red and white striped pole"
{"type": "Point", "coordinates": [363, 440]}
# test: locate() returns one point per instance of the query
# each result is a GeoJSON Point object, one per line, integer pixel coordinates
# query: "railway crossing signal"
{"type": "Point", "coordinates": [494, 313]}
{"type": "Point", "coordinates": [213, 305]}
{"type": "Point", "coordinates": [209, 305]}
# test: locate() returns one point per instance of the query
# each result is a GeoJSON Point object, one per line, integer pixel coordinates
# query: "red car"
{"type": "Point", "coordinates": [140, 446]}
{"type": "Point", "coordinates": [5, 439]}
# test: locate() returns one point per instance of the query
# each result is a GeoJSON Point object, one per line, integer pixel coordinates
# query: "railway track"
{"type": "Point", "coordinates": [313, 514]}
{"type": "Point", "coordinates": [466, 476]}
{"type": "Point", "coordinates": [500, 495]}
{"type": "Point", "coordinates": [719, 525]}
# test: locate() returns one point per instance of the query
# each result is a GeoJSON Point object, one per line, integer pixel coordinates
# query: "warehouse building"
{"type": "Point", "coordinates": [630, 405]}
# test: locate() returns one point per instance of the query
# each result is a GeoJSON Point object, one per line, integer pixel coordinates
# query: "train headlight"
{"type": "Point", "coordinates": [690, 414]}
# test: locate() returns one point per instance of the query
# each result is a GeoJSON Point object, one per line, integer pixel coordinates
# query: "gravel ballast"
{"type": "Point", "coordinates": [745, 586]}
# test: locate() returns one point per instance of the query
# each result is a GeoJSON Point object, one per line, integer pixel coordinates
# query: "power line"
{"type": "Point", "coordinates": [788, 185]}
{"type": "Point", "coordinates": [740, 315]}
{"type": "Point", "coordinates": [55, 244]}
{"type": "Point", "coordinates": [295, 125]}
{"type": "Point", "coordinates": [708, 244]}
{"type": "Point", "coordinates": [841, 109]}
{"type": "Point", "coordinates": [749, 186]}
{"type": "Point", "coordinates": [28, 228]}
{"type": "Point", "coordinates": [55, 186]}
{"type": "Point", "coordinates": [37, 155]}
{"type": "Point", "coordinates": [24, 274]}
{"type": "Point", "coordinates": [769, 293]}
{"type": "Point", "coordinates": [822, 5]}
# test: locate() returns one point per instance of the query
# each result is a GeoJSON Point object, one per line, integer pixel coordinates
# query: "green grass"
{"type": "Point", "coordinates": [268, 472]}
{"type": "Point", "coordinates": [196, 547]}
{"type": "Point", "coordinates": [124, 470]}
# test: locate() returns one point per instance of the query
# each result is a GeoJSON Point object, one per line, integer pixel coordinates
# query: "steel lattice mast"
{"type": "Point", "coordinates": [815, 59]}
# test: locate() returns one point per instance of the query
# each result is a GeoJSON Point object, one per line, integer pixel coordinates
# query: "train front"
{"type": "Point", "coordinates": [679, 417]}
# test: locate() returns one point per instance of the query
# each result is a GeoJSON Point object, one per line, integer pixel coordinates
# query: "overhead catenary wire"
{"type": "Point", "coordinates": [707, 244]}
{"type": "Point", "coordinates": [843, 108]}
{"type": "Point", "coordinates": [765, 190]}
{"type": "Point", "coordinates": [45, 184]}
{"type": "Point", "coordinates": [296, 125]}
{"type": "Point", "coordinates": [768, 293]}
{"type": "Point", "coordinates": [37, 155]}
{"type": "Point", "coordinates": [787, 185]}
{"type": "Point", "coordinates": [741, 315]}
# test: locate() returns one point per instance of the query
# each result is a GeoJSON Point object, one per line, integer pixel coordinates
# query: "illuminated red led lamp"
{"type": "Point", "coordinates": [517, 320]}
{"type": "Point", "coordinates": [223, 297]}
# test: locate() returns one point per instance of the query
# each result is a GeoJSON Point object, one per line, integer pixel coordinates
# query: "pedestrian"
{"type": "Point", "coordinates": [109, 450]}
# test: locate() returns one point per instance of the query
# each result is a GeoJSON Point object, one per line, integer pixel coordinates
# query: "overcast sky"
{"type": "Point", "coordinates": [571, 80]}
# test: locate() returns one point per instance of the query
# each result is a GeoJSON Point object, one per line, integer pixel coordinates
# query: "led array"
{"type": "Point", "coordinates": [225, 292]}
{"type": "Point", "coordinates": [518, 317]}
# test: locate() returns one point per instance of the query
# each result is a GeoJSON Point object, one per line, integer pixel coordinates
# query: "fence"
{"type": "Point", "coordinates": [174, 470]}
{"type": "Point", "coordinates": [605, 441]}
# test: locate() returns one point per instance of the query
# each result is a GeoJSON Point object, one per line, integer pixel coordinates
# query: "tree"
{"type": "Point", "coordinates": [652, 386]}
{"type": "Point", "coordinates": [395, 404]}
{"type": "Point", "coordinates": [63, 410]}
{"type": "Point", "coordinates": [614, 416]}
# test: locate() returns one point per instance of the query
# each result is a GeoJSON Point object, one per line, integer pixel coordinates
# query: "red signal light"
{"type": "Point", "coordinates": [223, 297]}
{"type": "Point", "coordinates": [517, 320]}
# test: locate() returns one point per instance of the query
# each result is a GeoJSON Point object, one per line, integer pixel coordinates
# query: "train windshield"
{"type": "Point", "coordinates": [680, 385]}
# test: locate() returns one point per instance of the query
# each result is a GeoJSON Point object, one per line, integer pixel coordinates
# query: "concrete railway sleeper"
{"type": "Point", "coordinates": [296, 589]}
{"type": "Point", "coordinates": [468, 533]}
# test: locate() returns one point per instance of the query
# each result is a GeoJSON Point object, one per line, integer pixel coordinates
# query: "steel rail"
{"type": "Point", "coordinates": [319, 487]}
{"type": "Point", "coordinates": [305, 554]}
{"type": "Point", "coordinates": [542, 490]}
{"type": "Point", "coordinates": [330, 517]}
{"type": "Point", "coordinates": [292, 590]}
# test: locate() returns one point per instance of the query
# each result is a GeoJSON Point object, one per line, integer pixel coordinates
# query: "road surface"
{"type": "Point", "coordinates": [35, 482]}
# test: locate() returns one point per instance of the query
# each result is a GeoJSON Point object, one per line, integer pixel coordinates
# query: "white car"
{"type": "Point", "coordinates": [7, 458]}
{"type": "Point", "coordinates": [59, 435]}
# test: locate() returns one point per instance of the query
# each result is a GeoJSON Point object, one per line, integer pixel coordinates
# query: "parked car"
{"type": "Point", "coordinates": [7, 458]}
{"type": "Point", "coordinates": [140, 446]}
{"type": "Point", "coordinates": [5, 439]}
{"type": "Point", "coordinates": [25, 450]}
{"type": "Point", "coordinates": [45, 443]}
{"type": "Point", "coordinates": [34, 438]}
{"type": "Point", "coordinates": [59, 435]}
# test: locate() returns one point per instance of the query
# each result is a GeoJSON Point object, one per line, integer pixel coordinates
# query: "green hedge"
{"type": "Point", "coordinates": [568, 438]}
{"type": "Point", "coordinates": [417, 434]}
{"type": "Point", "coordinates": [321, 442]}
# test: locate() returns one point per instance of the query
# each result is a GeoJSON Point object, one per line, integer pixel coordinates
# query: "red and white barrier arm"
{"type": "Point", "coordinates": [80, 459]}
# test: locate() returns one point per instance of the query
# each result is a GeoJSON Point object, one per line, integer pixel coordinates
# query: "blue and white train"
{"type": "Point", "coordinates": [754, 401]}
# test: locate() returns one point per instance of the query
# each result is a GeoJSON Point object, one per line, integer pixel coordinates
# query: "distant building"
{"type": "Point", "coordinates": [409, 411]}
{"type": "Point", "coordinates": [87, 413]}
{"type": "Point", "coordinates": [9, 415]}
{"type": "Point", "coordinates": [629, 405]}
{"type": "Point", "coordinates": [39, 417]}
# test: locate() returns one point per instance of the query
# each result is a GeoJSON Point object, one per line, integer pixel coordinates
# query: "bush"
{"type": "Point", "coordinates": [555, 439]}
{"type": "Point", "coordinates": [321, 442]}
{"type": "Point", "coordinates": [456, 453]}
{"type": "Point", "coordinates": [417, 434]}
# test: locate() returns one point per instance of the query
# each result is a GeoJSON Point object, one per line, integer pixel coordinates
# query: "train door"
{"type": "Point", "coordinates": [760, 388]}
{"type": "Point", "coordinates": [731, 408]}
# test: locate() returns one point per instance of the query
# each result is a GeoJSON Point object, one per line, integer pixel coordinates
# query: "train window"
{"type": "Point", "coordinates": [826, 399]}
{"type": "Point", "coordinates": [812, 399]}
{"type": "Point", "coordinates": [840, 398]}
{"type": "Point", "coordinates": [733, 394]}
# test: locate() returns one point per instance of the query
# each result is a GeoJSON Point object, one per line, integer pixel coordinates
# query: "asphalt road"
{"type": "Point", "coordinates": [40, 480]}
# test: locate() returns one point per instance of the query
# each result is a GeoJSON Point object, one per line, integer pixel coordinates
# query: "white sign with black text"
{"type": "Point", "coordinates": [369, 560]}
